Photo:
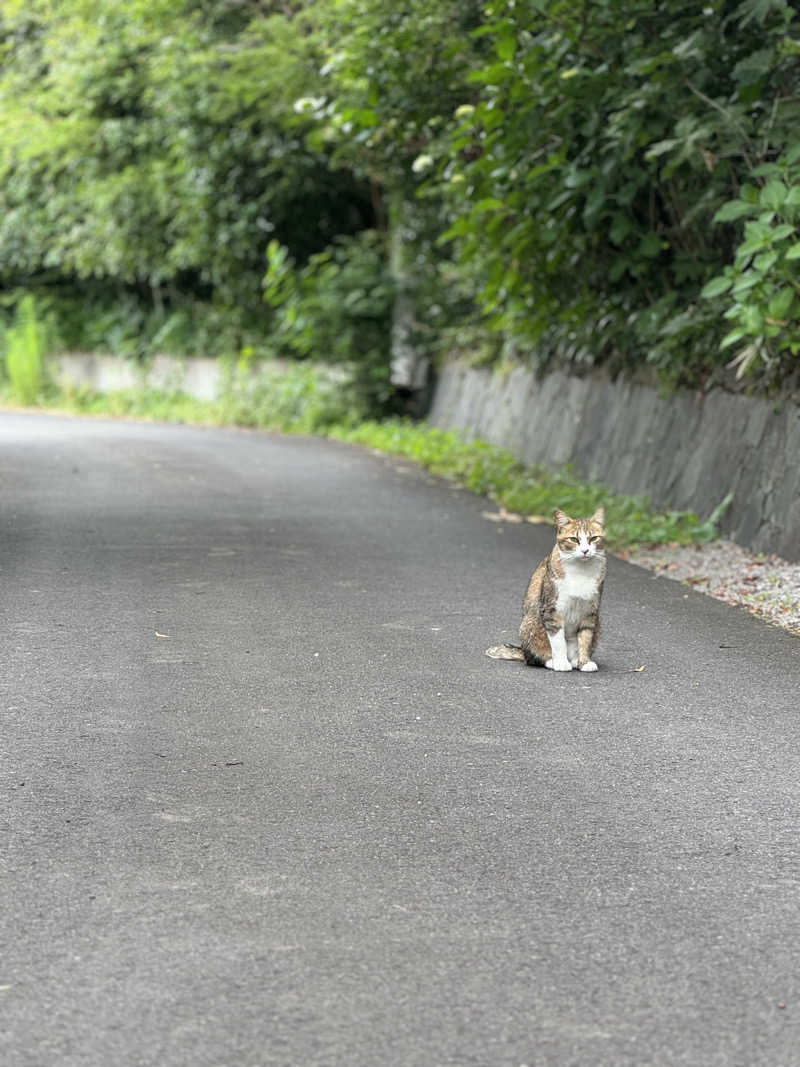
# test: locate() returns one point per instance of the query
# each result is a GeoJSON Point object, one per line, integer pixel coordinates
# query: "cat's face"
{"type": "Point", "coordinates": [580, 539]}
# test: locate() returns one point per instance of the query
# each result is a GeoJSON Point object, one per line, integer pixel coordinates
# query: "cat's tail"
{"type": "Point", "coordinates": [505, 652]}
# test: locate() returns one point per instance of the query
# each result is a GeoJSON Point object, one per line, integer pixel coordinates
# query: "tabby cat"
{"type": "Point", "coordinates": [560, 614]}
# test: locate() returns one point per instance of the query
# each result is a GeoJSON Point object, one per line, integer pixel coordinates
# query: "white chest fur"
{"type": "Point", "coordinates": [578, 587]}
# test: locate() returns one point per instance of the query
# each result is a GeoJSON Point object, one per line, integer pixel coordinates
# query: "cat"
{"type": "Point", "coordinates": [561, 610]}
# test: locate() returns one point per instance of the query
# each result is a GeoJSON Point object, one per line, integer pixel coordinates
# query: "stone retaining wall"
{"type": "Point", "coordinates": [200, 377]}
{"type": "Point", "coordinates": [681, 450]}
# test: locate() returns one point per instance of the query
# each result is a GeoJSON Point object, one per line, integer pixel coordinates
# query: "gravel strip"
{"type": "Point", "coordinates": [767, 586]}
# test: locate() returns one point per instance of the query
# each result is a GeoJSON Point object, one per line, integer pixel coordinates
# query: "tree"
{"type": "Point", "coordinates": [603, 181]}
{"type": "Point", "coordinates": [584, 185]}
{"type": "Point", "coordinates": [153, 148]}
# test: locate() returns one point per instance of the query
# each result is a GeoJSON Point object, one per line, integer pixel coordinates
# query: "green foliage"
{"type": "Point", "coordinates": [583, 182]}
{"type": "Point", "coordinates": [302, 398]}
{"type": "Point", "coordinates": [337, 308]}
{"type": "Point", "coordinates": [24, 350]}
{"type": "Point", "coordinates": [568, 162]}
{"type": "Point", "coordinates": [153, 147]}
{"type": "Point", "coordinates": [597, 182]}
{"type": "Point", "coordinates": [93, 317]}
{"type": "Point", "coordinates": [394, 75]}
{"type": "Point", "coordinates": [761, 286]}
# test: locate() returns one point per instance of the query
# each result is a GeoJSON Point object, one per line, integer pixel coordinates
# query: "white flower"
{"type": "Point", "coordinates": [307, 104]}
{"type": "Point", "coordinates": [422, 163]}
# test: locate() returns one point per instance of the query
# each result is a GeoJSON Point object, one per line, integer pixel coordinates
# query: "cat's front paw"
{"type": "Point", "coordinates": [590, 665]}
{"type": "Point", "coordinates": [558, 665]}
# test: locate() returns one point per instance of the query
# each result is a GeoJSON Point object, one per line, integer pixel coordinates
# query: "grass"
{"type": "Point", "coordinates": [300, 400]}
{"type": "Point", "coordinates": [23, 353]}
{"type": "Point", "coordinates": [305, 401]}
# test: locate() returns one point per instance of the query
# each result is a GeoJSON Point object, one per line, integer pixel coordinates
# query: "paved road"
{"type": "Point", "coordinates": [265, 801]}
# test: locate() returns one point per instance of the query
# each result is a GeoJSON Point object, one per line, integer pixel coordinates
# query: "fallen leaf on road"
{"type": "Point", "coordinates": [161, 635]}
{"type": "Point", "coordinates": [502, 516]}
{"type": "Point", "coordinates": [514, 516]}
{"type": "Point", "coordinates": [635, 670]}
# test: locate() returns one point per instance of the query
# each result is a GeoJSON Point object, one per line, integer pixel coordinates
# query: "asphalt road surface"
{"type": "Point", "coordinates": [266, 802]}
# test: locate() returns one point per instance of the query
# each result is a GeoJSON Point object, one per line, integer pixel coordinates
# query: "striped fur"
{"type": "Point", "coordinates": [561, 610]}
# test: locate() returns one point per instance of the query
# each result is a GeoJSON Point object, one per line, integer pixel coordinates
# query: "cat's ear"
{"type": "Point", "coordinates": [561, 518]}
{"type": "Point", "coordinates": [599, 516]}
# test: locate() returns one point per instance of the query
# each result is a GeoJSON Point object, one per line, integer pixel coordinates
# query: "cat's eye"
{"type": "Point", "coordinates": [572, 540]}
{"type": "Point", "coordinates": [594, 539]}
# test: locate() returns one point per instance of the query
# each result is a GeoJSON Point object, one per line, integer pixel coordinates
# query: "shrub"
{"type": "Point", "coordinates": [337, 308]}
{"type": "Point", "coordinates": [760, 287]}
{"type": "Point", "coordinates": [24, 349]}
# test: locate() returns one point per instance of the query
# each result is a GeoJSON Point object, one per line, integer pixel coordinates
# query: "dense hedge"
{"type": "Point", "coordinates": [609, 138]}
{"type": "Point", "coordinates": [620, 181]}
{"type": "Point", "coordinates": [149, 151]}
{"type": "Point", "coordinates": [598, 181]}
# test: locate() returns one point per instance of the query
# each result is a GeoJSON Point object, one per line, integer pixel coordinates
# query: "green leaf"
{"type": "Point", "coordinates": [716, 287]}
{"type": "Point", "coordinates": [754, 67]}
{"type": "Point", "coordinates": [494, 74]}
{"type": "Point", "coordinates": [753, 319]}
{"type": "Point", "coordinates": [660, 148]}
{"type": "Point", "coordinates": [506, 47]}
{"type": "Point", "coordinates": [650, 246]}
{"type": "Point", "coordinates": [745, 282]}
{"type": "Point", "coordinates": [619, 268]}
{"type": "Point", "coordinates": [489, 203]}
{"type": "Point", "coordinates": [621, 227]}
{"type": "Point", "coordinates": [793, 252]}
{"type": "Point", "coordinates": [780, 303]}
{"type": "Point", "coordinates": [594, 201]}
{"type": "Point", "coordinates": [768, 170]}
{"type": "Point", "coordinates": [732, 337]}
{"type": "Point", "coordinates": [757, 10]}
{"type": "Point", "coordinates": [773, 195]}
{"type": "Point", "coordinates": [783, 231]}
{"type": "Point", "coordinates": [734, 209]}
{"type": "Point", "coordinates": [763, 262]}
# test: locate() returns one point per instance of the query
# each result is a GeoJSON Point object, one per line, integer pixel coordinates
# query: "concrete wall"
{"type": "Point", "coordinates": [681, 450]}
{"type": "Point", "coordinates": [201, 378]}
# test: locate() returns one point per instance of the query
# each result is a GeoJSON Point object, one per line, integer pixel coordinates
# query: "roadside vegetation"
{"type": "Point", "coordinates": [597, 183]}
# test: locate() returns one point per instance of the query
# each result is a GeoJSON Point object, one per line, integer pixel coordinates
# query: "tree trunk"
{"type": "Point", "coordinates": [410, 367]}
